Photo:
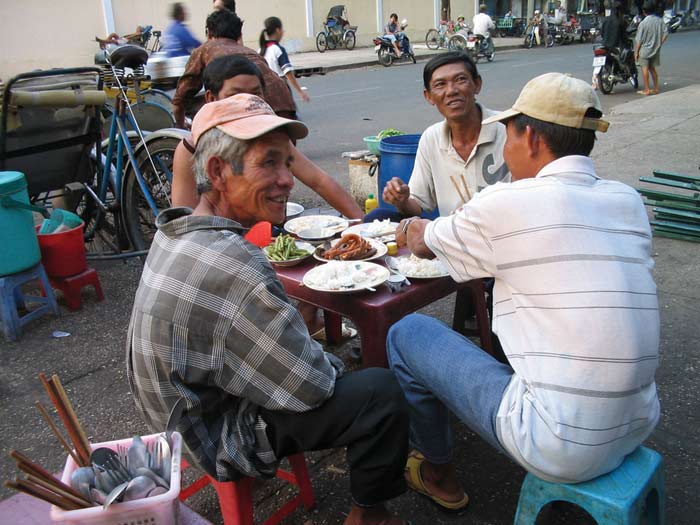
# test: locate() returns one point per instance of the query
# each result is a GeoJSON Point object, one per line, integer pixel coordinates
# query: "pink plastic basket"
{"type": "Point", "coordinates": [156, 510]}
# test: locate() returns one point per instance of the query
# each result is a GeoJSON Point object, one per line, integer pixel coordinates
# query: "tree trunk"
{"type": "Point", "coordinates": [445, 10]}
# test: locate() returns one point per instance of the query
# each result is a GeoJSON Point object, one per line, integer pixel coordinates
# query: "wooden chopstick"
{"type": "Point", "coordinates": [44, 413]}
{"type": "Point", "coordinates": [63, 413]}
{"type": "Point", "coordinates": [466, 188]}
{"type": "Point", "coordinates": [454, 183]}
{"type": "Point", "coordinates": [22, 485]}
{"type": "Point", "coordinates": [78, 500]}
{"type": "Point", "coordinates": [32, 469]}
{"type": "Point", "coordinates": [84, 443]}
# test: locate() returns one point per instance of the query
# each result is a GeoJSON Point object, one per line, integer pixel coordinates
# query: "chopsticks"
{"type": "Point", "coordinates": [43, 485]}
{"type": "Point", "coordinates": [58, 396]}
{"type": "Point", "coordinates": [466, 196]}
{"type": "Point", "coordinates": [459, 191]}
{"type": "Point", "coordinates": [57, 432]}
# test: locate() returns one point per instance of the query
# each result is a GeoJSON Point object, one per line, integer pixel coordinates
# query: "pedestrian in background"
{"type": "Point", "coordinates": [178, 41]}
{"type": "Point", "coordinates": [651, 34]}
{"type": "Point", "coordinates": [276, 56]}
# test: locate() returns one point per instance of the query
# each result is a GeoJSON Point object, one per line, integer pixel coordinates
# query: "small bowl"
{"type": "Point", "coordinates": [372, 143]}
{"type": "Point", "coordinates": [293, 262]}
{"type": "Point", "coordinates": [294, 210]}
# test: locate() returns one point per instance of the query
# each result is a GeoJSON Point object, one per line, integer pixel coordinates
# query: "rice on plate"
{"type": "Point", "coordinates": [416, 267]}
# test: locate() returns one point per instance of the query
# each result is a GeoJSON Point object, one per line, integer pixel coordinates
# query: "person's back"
{"type": "Point", "coordinates": [482, 23]}
{"type": "Point", "coordinates": [650, 33]}
{"type": "Point", "coordinates": [613, 32]}
{"type": "Point", "coordinates": [576, 311]}
{"type": "Point", "coordinates": [177, 39]}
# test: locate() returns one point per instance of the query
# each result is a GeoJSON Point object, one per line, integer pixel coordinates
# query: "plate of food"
{"type": "Point", "coordinates": [384, 230]}
{"type": "Point", "coordinates": [329, 224]}
{"type": "Point", "coordinates": [350, 247]}
{"type": "Point", "coordinates": [345, 276]}
{"type": "Point", "coordinates": [287, 251]}
{"type": "Point", "coordinates": [416, 268]}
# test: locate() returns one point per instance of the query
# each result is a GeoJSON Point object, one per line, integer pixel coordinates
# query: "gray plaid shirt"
{"type": "Point", "coordinates": [212, 325]}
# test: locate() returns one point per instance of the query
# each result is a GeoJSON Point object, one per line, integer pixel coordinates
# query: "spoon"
{"type": "Point", "coordinates": [109, 460]}
{"type": "Point", "coordinates": [138, 488]}
{"type": "Point", "coordinates": [97, 496]}
{"type": "Point", "coordinates": [137, 455]}
{"type": "Point", "coordinates": [393, 266]}
{"type": "Point", "coordinates": [143, 471]}
{"type": "Point", "coordinates": [114, 495]}
{"type": "Point", "coordinates": [82, 479]}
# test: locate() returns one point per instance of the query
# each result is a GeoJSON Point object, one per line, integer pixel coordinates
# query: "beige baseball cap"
{"type": "Point", "coordinates": [559, 99]}
{"type": "Point", "coordinates": [244, 117]}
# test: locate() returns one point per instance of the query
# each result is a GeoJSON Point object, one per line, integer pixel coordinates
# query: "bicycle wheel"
{"type": "Point", "coordinates": [156, 96]}
{"type": "Point", "coordinates": [385, 57]}
{"type": "Point", "coordinates": [349, 40]}
{"type": "Point", "coordinates": [321, 42]}
{"type": "Point", "coordinates": [457, 43]}
{"type": "Point", "coordinates": [432, 39]}
{"type": "Point", "coordinates": [139, 218]}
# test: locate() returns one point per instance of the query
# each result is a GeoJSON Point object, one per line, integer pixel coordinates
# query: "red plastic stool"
{"type": "Point", "coordinates": [72, 286]}
{"type": "Point", "coordinates": [236, 497]}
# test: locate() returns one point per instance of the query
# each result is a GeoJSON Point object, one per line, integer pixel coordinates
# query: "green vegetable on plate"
{"type": "Point", "coordinates": [284, 249]}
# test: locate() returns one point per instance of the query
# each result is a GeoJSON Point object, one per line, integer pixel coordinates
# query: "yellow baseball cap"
{"type": "Point", "coordinates": [559, 99]}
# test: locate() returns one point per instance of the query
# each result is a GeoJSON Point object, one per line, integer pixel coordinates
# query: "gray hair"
{"type": "Point", "coordinates": [216, 143]}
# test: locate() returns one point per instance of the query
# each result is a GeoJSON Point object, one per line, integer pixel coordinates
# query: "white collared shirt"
{"type": "Point", "coordinates": [437, 161]}
{"type": "Point", "coordinates": [482, 24]}
{"type": "Point", "coordinates": [575, 309]}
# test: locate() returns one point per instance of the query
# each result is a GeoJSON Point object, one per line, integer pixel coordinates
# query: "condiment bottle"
{"type": "Point", "coordinates": [392, 248]}
{"type": "Point", "coordinates": [371, 203]}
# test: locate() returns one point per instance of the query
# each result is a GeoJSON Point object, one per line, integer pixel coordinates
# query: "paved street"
{"type": "Point", "coordinates": [662, 131]}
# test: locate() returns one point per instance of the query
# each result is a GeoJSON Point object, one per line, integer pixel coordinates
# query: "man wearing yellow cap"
{"type": "Point", "coordinates": [213, 326]}
{"type": "Point", "coordinates": [575, 308]}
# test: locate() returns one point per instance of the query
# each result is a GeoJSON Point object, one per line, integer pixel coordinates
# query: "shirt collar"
{"type": "Point", "coordinates": [487, 133]}
{"type": "Point", "coordinates": [569, 164]}
{"type": "Point", "coordinates": [179, 221]}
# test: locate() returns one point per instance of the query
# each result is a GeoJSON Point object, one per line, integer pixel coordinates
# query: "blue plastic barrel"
{"type": "Point", "coordinates": [398, 155]}
{"type": "Point", "coordinates": [20, 248]}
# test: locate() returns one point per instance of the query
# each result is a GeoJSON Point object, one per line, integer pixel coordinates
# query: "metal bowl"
{"type": "Point", "coordinates": [294, 210]}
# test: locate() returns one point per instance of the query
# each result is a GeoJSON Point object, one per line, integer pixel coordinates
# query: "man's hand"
{"type": "Point", "coordinates": [402, 231]}
{"type": "Point", "coordinates": [396, 192]}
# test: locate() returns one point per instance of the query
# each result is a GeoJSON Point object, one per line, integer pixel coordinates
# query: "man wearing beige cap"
{"type": "Point", "coordinates": [212, 326]}
{"type": "Point", "coordinates": [575, 308]}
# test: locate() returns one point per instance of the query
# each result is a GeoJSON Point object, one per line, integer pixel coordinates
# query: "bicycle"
{"type": "Point", "coordinates": [117, 186]}
{"type": "Point", "coordinates": [437, 38]}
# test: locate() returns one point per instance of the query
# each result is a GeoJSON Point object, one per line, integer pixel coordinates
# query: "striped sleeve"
{"type": "Point", "coordinates": [461, 241]}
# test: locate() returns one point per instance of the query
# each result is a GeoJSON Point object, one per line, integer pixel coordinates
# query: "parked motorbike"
{"type": "Point", "coordinates": [672, 21]}
{"type": "Point", "coordinates": [563, 34]}
{"type": "Point", "coordinates": [385, 49]}
{"type": "Point", "coordinates": [613, 66]}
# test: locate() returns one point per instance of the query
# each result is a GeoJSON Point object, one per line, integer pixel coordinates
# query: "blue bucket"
{"type": "Point", "coordinates": [398, 155]}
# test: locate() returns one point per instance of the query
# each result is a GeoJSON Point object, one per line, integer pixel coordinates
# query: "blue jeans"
{"type": "Point", "coordinates": [443, 372]}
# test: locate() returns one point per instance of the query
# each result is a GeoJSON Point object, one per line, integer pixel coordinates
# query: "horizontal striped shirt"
{"type": "Point", "coordinates": [575, 309]}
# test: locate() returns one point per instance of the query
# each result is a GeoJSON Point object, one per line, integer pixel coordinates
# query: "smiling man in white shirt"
{"type": "Point", "coordinates": [575, 308]}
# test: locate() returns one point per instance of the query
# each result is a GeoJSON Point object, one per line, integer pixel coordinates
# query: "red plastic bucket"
{"type": "Point", "coordinates": [63, 253]}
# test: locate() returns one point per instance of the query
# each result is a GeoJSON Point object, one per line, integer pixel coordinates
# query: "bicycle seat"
{"type": "Point", "coordinates": [128, 56]}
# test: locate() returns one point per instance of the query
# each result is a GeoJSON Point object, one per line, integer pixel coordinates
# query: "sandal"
{"type": "Point", "coordinates": [645, 93]}
{"type": "Point", "coordinates": [415, 482]}
{"type": "Point", "coordinates": [346, 332]}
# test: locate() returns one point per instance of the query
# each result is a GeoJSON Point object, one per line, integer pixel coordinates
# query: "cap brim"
{"type": "Point", "coordinates": [257, 126]}
{"type": "Point", "coordinates": [503, 115]}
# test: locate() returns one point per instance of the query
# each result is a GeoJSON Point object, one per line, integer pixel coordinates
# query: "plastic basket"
{"type": "Point", "coordinates": [156, 510]}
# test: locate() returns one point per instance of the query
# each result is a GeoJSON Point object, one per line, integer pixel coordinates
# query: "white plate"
{"type": "Point", "coordinates": [377, 245]}
{"type": "Point", "coordinates": [412, 275]}
{"type": "Point", "coordinates": [362, 230]}
{"type": "Point", "coordinates": [308, 248]}
{"type": "Point", "coordinates": [316, 222]}
{"type": "Point", "coordinates": [293, 210]}
{"type": "Point", "coordinates": [315, 280]}
{"type": "Point", "coordinates": [599, 61]}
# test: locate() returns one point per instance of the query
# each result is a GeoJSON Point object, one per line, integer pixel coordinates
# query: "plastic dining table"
{"type": "Point", "coordinates": [372, 313]}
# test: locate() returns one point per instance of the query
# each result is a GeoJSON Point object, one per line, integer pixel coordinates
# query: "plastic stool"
{"type": "Point", "coordinates": [72, 286]}
{"type": "Point", "coordinates": [236, 497]}
{"type": "Point", "coordinates": [471, 299]}
{"type": "Point", "coordinates": [617, 498]}
{"type": "Point", "coordinates": [12, 298]}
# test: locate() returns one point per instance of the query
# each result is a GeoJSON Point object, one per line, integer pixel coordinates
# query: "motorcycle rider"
{"type": "Point", "coordinates": [392, 30]}
{"type": "Point", "coordinates": [539, 26]}
{"type": "Point", "coordinates": [559, 17]}
{"type": "Point", "coordinates": [483, 24]}
{"type": "Point", "coordinates": [614, 29]}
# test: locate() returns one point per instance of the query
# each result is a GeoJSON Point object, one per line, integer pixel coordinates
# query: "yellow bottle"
{"type": "Point", "coordinates": [371, 203]}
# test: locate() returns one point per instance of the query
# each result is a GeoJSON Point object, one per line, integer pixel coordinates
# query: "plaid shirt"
{"type": "Point", "coordinates": [275, 91]}
{"type": "Point", "coordinates": [212, 324]}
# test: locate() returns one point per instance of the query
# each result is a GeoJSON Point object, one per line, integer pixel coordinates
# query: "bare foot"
{"type": "Point", "coordinates": [644, 92]}
{"type": "Point", "coordinates": [377, 515]}
{"type": "Point", "coordinates": [441, 481]}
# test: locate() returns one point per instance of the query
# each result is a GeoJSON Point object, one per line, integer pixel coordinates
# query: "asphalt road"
{"type": "Point", "coordinates": [348, 105]}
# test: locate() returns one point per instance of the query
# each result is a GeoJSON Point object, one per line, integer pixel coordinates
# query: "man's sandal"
{"type": "Point", "coordinates": [415, 482]}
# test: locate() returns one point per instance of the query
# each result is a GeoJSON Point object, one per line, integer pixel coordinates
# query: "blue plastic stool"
{"type": "Point", "coordinates": [12, 298]}
{"type": "Point", "coordinates": [617, 498]}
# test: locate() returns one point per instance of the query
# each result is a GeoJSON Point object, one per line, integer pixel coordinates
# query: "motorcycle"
{"type": "Point", "coordinates": [672, 21]}
{"type": "Point", "coordinates": [613, 66]}
{"type": "Point", "coordinates": [386, 53]}
{"type": "Point", "coordinates": [564, 34]}
{"type": "Point", "coordinates": [477, 46]}
{"type": "Point", "coordinates": [531, 33]}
